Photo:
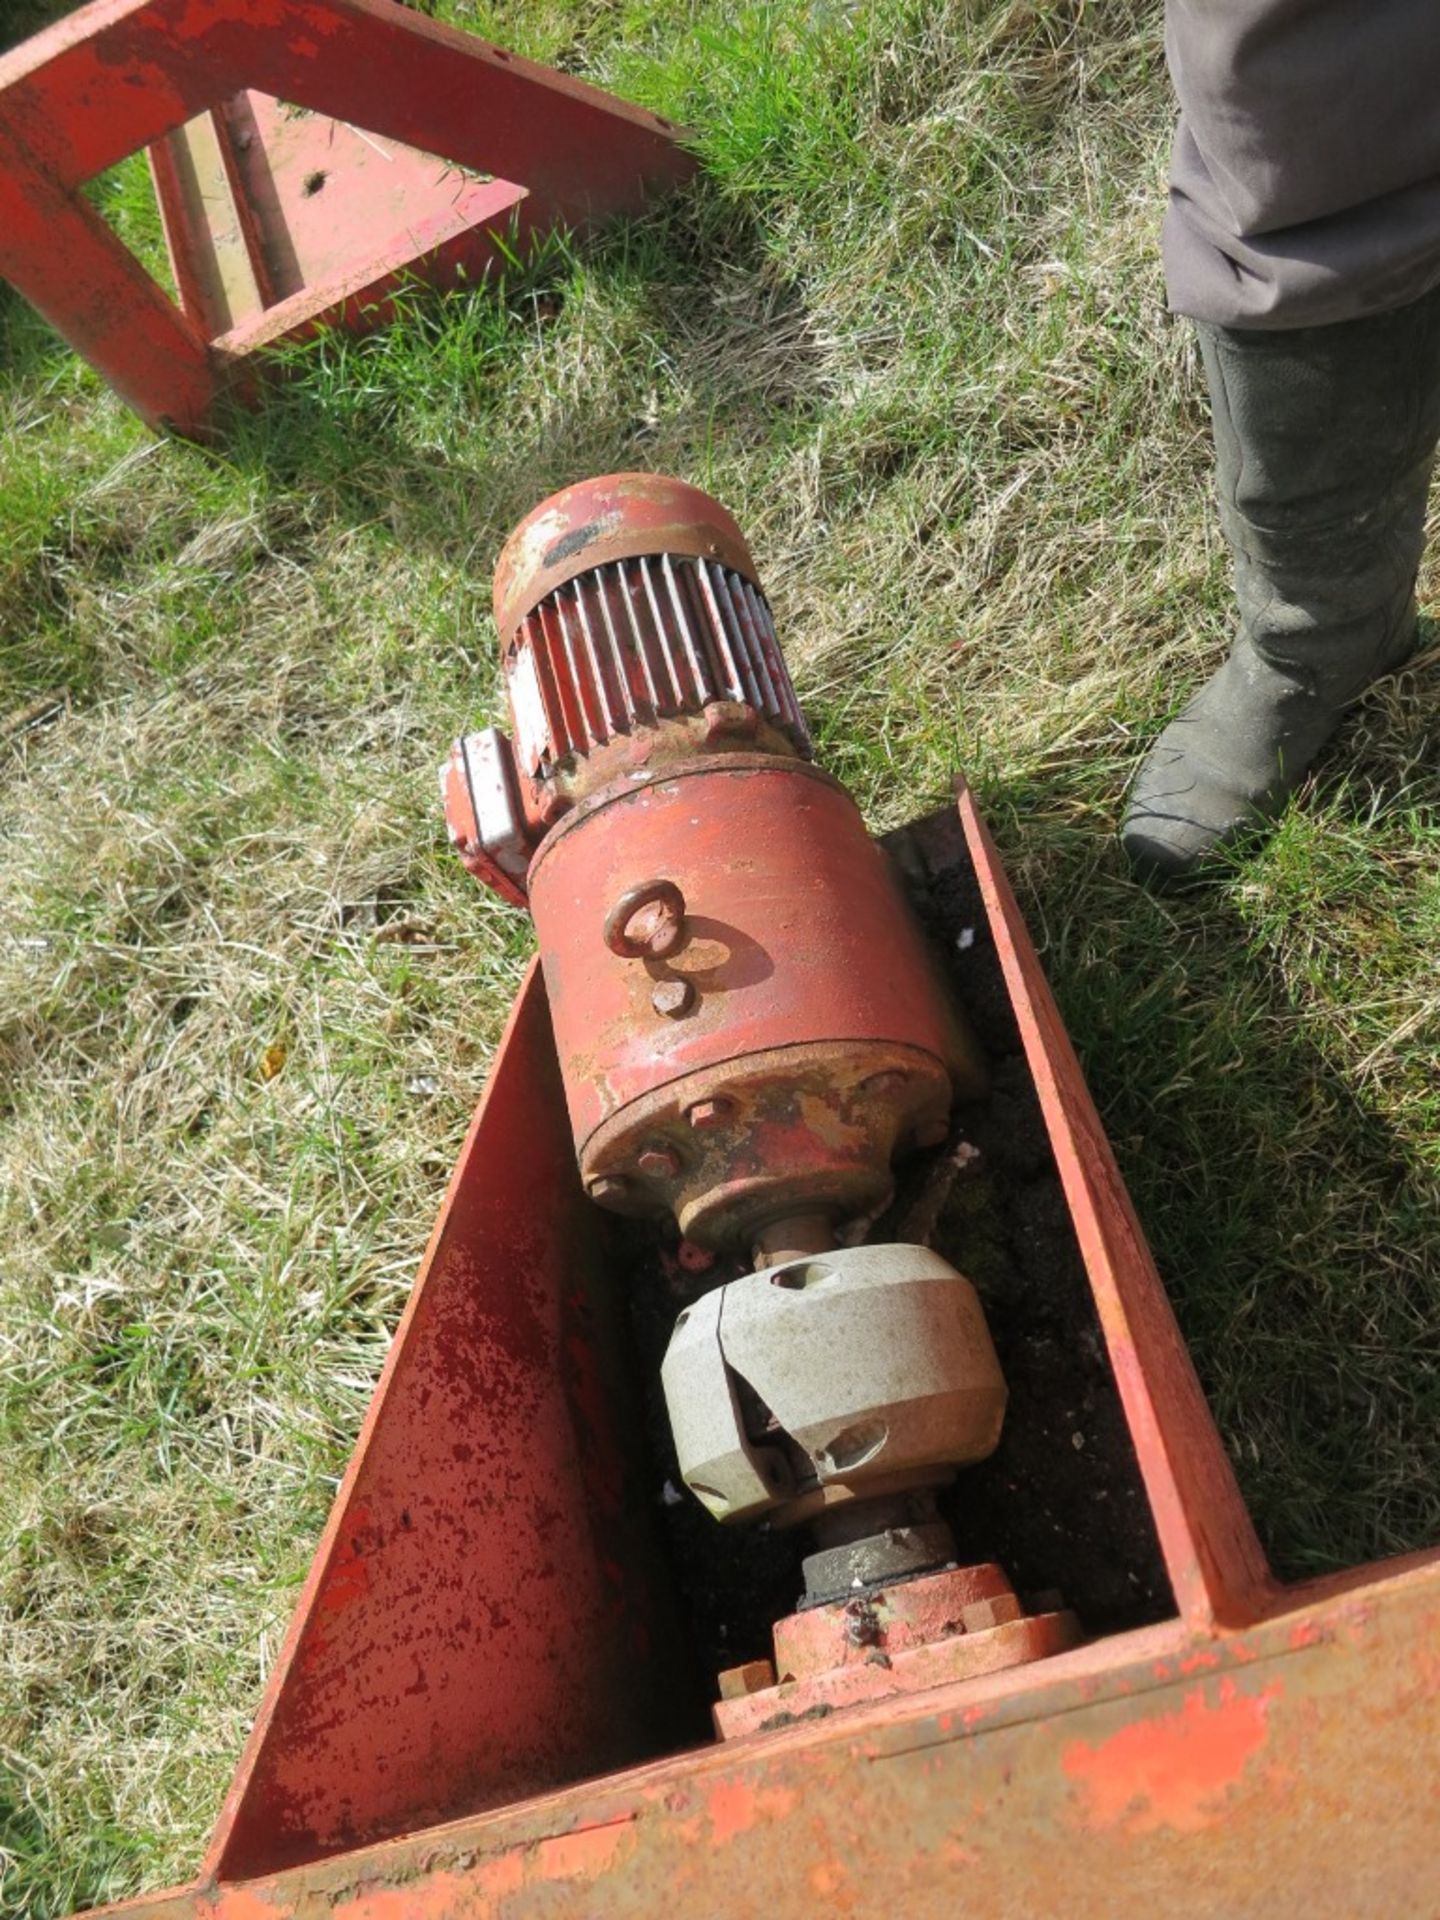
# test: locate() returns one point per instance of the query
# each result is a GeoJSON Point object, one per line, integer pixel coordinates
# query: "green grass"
{"type": "Point", "coordinates": [910, 328]}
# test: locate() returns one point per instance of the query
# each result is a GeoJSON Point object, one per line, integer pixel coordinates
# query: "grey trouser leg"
{"type": "Point", "coordinates": [1324, 442]}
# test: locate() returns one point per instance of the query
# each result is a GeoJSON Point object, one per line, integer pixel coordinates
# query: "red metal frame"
{"type": "Point", "coordinates": [480, 1615]}
{"type": "Point", "coordinates": [119, 75]}
{"type": "Point", "coordinates": [474, 1632]}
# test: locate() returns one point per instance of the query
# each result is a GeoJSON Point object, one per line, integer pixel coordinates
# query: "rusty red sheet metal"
{"type": "Point", "coordinates": [482, 1607]}
{"type": "Point", "coordinates": [318, 232]}
{"type": "Point", "coordinates": [479, 1633]}
{"type": "Point", "coordinates": [1287, 1769]}
{"type": "Point", "coordinates": [1215, 1563]}
{"type": "Point", "coordinates": [754, 841]}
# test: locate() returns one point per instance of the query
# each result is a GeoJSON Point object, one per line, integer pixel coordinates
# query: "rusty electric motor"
{"type": "Point", "coordinates": [748, 1023]}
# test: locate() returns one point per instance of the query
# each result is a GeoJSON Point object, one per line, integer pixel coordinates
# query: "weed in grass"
{"type": "Point", "coordinates": [909, 327]}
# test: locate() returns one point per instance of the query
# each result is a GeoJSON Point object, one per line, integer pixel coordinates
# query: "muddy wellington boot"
{"type": "Point", "coordinates": [1324, 441]}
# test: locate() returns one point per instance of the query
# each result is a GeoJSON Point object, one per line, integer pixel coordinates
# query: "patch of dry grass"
{"type": "Point", "coordinates": [910, 328]}
{"type": "Point", "coordinates": [246, 1014]}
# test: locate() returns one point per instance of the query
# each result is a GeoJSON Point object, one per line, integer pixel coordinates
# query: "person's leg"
{"type": "Point", "coordinates": [1324, 442]}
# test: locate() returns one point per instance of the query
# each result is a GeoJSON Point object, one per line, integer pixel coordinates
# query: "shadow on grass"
{"type": "Point", "coordinates": [1293, 1207]}
{"type": "Point", "coordinates": [666, 342]}
{"type": "Point", "coordinates": [29, 346]}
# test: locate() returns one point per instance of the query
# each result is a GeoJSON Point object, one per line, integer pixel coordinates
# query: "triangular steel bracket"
{"type": "Point", "coordinates": [308, 155]}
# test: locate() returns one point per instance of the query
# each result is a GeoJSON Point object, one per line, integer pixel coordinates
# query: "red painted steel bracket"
{"type": "Point", "coordinates": [479, 1637]}
{"type": "Point", "coordinates": [279, 216]}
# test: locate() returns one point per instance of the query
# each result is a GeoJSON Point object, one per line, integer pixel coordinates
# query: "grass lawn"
{"type": "Point", "coordinates": [910, 328]}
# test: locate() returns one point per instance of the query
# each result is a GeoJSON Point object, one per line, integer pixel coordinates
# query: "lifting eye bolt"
{"type": "Point", "coordinates": [647, 922]}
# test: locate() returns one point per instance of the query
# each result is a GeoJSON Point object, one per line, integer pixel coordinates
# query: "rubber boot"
{"type": "Point", "coordinates": [1324, 441]}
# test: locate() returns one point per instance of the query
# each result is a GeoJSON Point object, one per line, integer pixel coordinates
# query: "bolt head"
{"type": "Point", "coordinates": [607, 1188]}
{"type": "Point", "coordinates": [754, 1677]}
{"type": "Point", "coordinates": [660, 1162]}
{"type": "Point", "coordinates": [656, 927]}
{"type": "Point", "coordinates": [730, 719]}
{"type": "Point", "coordinates": [706, 1115]}
{"type": "Point", "coordinates": [862, 1623]}
{"type": "Point", "coordinates": [672, 998]}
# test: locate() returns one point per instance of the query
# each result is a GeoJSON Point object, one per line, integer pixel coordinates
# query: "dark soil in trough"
{"type": "Point", "coordinates": [1060, 1504]}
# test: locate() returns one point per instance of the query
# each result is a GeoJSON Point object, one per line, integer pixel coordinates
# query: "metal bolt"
{"type": "Point", "coordinates": [660, 1162]}
{"type": "Point", "coordinates": [730, 719]}
{"type": "Point", "coordinates": [707, 1114]}
{"type": "Point", "coordinates": [754, 1677]}
{"type": "Point", "coordinates": [608, 1188]}
{"type": "Point", "coordinates": [673, 997]}
{"type": "Point", "coordinates": [862, 1624]}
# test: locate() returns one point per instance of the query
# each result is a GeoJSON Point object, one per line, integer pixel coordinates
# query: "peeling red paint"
{"type": "Point", "coordinates": [398, 1902]}
{"type": "Point", "coordinates": [575, 1856]}
{"type": "Point", "coordinates": [1200, 1795]}
{"type": "Point", "coordinates": [240, 1905]}
{"type": "Point", "coordinates": [1203, 1660]}
{"type": "Point", "coordinates": [732, 1810]}
{"type": "Point", "coordinates": [735, 1806]}
{"type": "Point", "coordinates": [1173, 1770]}
{"type": "Point", "coordinates": [587, 1853]}
{"type": "Point", "coordinates": [503, 1875]}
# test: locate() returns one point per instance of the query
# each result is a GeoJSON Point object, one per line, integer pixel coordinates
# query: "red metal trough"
{"type": "Point", "coordinates": [482, 1637]}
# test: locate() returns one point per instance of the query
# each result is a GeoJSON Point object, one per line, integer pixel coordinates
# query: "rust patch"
{"type": "Point", "coordinates": [617, 516]}
{"type": "Point", "coordinates": [831, 1882]}
{"type": "Point", "coordinates": [1174, 1770]}
{"type": "Point", "coordinates": [399, 1902]}
{"type": "Point", "coordinates": [587, 1853]}
{"type": "Point", "coordinates": [577, 540]}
